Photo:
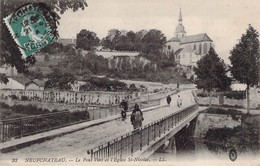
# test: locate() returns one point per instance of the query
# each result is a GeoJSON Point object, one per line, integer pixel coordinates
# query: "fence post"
{"type": "Point", "coordinates": [159, 128]}
{"type": "Point", "coordinates": [21, 133]}
{"type": "Point", "coordinates": [35, 124]}
{"type": "Point", "coordinates": [3, 132]}
{"type": "Point", "coordinates": [148, 139]}
{"type": "Point", "coordinates": [141, 135]}
{"type": "Point", "coordinates": [121, 144]}
{"type": "Point", "coordinates": [108, 147]}
{"type": "Point", "coordinates": [154, 127]}
{"type": "Point", "coordinates": [132, 144]}
{"type": "Point", "coordinates": [164, 124]}
{"type": "Point", "coordinates": [91, 154]}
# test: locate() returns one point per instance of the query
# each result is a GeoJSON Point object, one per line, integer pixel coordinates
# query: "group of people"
{"type": "Point", "coordinates": [137, 115]}
{"type": "Point", "coordinates": [179, 100]}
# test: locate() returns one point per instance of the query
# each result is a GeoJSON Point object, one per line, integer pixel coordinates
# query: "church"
{"type": "Point", "coordinates": [187, 49]}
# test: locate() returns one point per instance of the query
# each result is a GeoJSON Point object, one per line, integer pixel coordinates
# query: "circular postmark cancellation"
{"type": "Point", "coordinates": [29, 29]}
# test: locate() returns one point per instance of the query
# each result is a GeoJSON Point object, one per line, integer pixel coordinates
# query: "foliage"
{"type": "Point", "coordinates": [153, 41]}
{"type": "Point", "coordinates": [238, 95]}
{"type": "Point", "coordinates": [245, 58]}
{"type": "Point", "coordinates": [35, 74]}
{"type": "Point", "coordinates": [141, 41]}
{"type": "Point", "coordinates": [87, 40]}
{"type": "Point", "coordinates": [46, 57]}
{"type": "Point", "coordinates": [53, 48]}
{"type": "Point", "coordinates": [112, 39]}
{"type": "Point", "coordinates": [85, 63]}
{"type": "Point", "coordinates": [103, 84]}
{"type": "Point", "coordinates": [10, 53]}
{"type": "Point", "coordinates": [211, 73]}
{"type": "Point", "coordinates": [59, 80]}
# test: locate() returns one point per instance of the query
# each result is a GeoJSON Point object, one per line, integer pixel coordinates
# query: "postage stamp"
{"type": "Point", "coordinates": [29, 29]}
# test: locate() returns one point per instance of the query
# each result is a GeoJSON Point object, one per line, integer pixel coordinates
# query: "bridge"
{"type": "Point", "coordinates": [111, 136]}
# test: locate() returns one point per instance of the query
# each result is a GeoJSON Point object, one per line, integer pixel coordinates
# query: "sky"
{"type": "Point", "coordinates": [223, 20]}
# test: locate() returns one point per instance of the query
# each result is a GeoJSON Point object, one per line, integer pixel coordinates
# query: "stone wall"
{"type": "Point", "coordinates": [206, 121]}
{"type": "Point", "coordinates": [99, 98]}
{"type": "Point", "coordinates": [227, 102]}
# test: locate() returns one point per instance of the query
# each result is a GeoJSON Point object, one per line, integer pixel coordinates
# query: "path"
{"type": "Point", "coordinates": [77, 143]}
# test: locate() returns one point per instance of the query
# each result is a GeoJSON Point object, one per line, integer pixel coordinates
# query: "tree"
{"type": "Point", "coordinates": [59, 80]}
{"type": "Point", "coordinates": [111, 40]}
{"type": "Point", "coordinates": [211, 73]}
{"type": "Point", "coordinates": [87, 40]}
{"type": "Point", "coordinates": [46, 57]}
{"type": "Point", "coordinates": [153, 41]}
{"type": "Point", "coordinates": [245, 60]}
{"type": "Point", "coordinates": [10, 53]}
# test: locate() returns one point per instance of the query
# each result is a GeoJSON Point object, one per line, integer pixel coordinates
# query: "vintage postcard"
{"type": "Point", "coordinates": [129, 82]}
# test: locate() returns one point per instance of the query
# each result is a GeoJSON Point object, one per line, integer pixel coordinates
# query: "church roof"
{"type": "Point", "coordinates": [195, 38]}
{"type": "Point", "coordinates": [174, 39]}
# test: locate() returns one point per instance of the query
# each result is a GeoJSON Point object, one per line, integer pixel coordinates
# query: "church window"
{"type": "Point", "coordinates": [194, 47]}
{"type": "Point", "coordinates": [200, 49]}
{"type": "Point", "coordinates": [205, 48]}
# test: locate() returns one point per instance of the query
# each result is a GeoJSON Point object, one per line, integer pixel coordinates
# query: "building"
{"type": "Point", "coordinates": [67, 41]}
{"type": "Point", "coordinates": [187, 49]}
{"type": "Point", "coordinates": [35, 85]}
{"type": "Point", "coordinates": [8, 70]}
{"type": "Point", "coordinates": [15, 82]}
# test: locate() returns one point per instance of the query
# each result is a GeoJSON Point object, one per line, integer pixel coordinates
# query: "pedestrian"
{"type": "Point", "coordinates": [179, 101]}
{"type": "Point", "coordinates": [124, 107]}
{"type": "Point", "coordinates": [124, 104]}
{"type": "Point", "coordinates": [123, 113]}
{"type": "Point", "coordinates": [178, 85]}
{"type": "Point", "coordinates": [169, 99]}
{"type": "Point", "coordinates": [137, 117]}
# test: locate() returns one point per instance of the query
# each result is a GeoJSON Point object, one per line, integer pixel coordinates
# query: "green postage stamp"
{"type": "Point", "coordinates": [29, 29]}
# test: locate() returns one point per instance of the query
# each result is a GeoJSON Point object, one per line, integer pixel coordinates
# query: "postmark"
{"type": "Point", "coordinates": [29, 29]}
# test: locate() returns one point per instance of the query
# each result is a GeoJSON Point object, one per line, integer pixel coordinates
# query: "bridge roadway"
{"type": "Point", "coordinates": [77, 143]}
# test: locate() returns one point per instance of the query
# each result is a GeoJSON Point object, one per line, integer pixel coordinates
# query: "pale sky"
{"type": "Point", "coordinates": [223, 20]}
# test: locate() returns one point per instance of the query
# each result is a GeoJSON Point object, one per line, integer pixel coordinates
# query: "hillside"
{"type": "Point", "coordinates": [119, 67]}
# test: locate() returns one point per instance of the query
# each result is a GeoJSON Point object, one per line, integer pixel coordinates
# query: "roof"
{"type": "Point", "coordinates": [40, 83]}
{"type": "Point", "coordinates": [174, 39]}
{"type": "Point", "coordinates": [21, 79]}
{"type": "Point", "coordinates": [195, 38]}
{"type": "Point", "coordinates": [178, 51]}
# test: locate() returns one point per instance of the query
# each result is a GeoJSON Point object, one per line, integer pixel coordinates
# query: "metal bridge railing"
{"type": "Point", "coordinates": [130, 143]}
{"type": "Point", "coordinates": [24, 126]}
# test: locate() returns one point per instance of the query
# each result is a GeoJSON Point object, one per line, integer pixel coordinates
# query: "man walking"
{"type": "Point", "coordinates": [169, 99]}
{"type": "Point", "coordinates": [137, 117]}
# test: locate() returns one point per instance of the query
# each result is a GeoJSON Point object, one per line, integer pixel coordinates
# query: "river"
{"type": "Point", "coordinates": [218, 138]}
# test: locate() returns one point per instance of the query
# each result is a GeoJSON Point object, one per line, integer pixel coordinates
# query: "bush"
{"type": "Point", "coordinates": [239, 95]}
{"type": "Point", "coordinates": [24, 98]}
{"type": "Point", "coordinates": [4, 105]}
{"type": "Point", "coordinates": [14, 97]}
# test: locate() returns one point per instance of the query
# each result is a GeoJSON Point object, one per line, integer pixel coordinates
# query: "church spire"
{"type": "Point", "coordinates": [180, 31]}
{"type": "Point", "coordinates": [180, 17]}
